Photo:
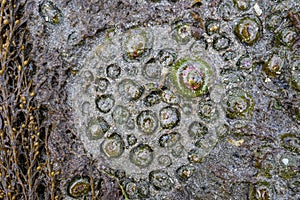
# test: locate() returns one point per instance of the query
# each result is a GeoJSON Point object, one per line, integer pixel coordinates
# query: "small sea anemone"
{"type": "Point", "coordinates": [191, 77]}
{"type": "Point", "coordinates": [79, 187]}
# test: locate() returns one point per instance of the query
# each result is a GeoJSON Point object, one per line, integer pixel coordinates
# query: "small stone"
{"type": "Point", "coordinates": [257, 9]}
{"type": "Point", "coordinates": [285, 161]}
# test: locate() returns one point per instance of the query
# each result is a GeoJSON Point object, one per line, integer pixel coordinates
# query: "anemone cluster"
{"type": "Point", "coordinates": [152, 102]}
{"type": "Point", "coordinates": [144, 105]}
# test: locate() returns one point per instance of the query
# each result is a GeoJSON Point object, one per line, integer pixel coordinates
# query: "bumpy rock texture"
{"type": "Point", "coordinates": [152, 100]}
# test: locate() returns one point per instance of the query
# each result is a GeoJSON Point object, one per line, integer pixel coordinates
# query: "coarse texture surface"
{"type": "Point", "coordinates": [141, 99]}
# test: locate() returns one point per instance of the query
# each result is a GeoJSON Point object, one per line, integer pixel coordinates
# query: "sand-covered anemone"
{"type": "Point", "coordinates": [248, 30]}
{"type": "Point", "coordinates": [212, 27]}
{"type": "Point", "coordinates": [105, 103]}
{"type": "Point", "coordinates": [161, 180]}
{"type": "Point", "coordinates": [152, 71]}
{"type": "Point", "coordinates": [137, 43]}
{"type": "Point", "coordinates": [239, 105]}
{"type": "Point", "coordinates": [287, 36]}
{"type": "Point", "coordinates": [185, 172]}
{"type": "Point", "coordinates": [152, 98]}
{"type": "Point", "coordinates": [50, 12]}
{"type": "Point", "coordinates": [169, 139]}
{"type": "Point", "coordinates": [130, 89]}
{"type": "Point", "coordinates": [191, 77]}
{"type": "Point", "coordinates": [291, 142]}
{"type": "Point", "coordinates": [242, 4]}
{"type": "Point", "coordinates": [169, 117]}
{"type": "Point", "coordinates": [136, 189]}
{"type": "Point", "coordinates": [147, 121]}
{"type": "Point", "coordinates": [142, 155]}
{"type": "Point", "coordinates": [207, 111]}
{"type": "Point", "coordinates": [96, 128]}
{"type": "Point", "coordinates": [274, 65]}
{"type": "Point", "coordinates": [79, 187]}
{"type": "Point", "coordinates": [166, 57]}
{"type": "Point", "coordinates": [120, 114]}
{"type": "Point", "coordinates": [221, 42]}
{"type": "Point", "coordinates": [113, 146]}
{"type": "Point", "coordinates": [197, 130]}
{"type": "Point", "coordinates": [182, 33]}
{"type": "Point", "coordinates": [245, 62]}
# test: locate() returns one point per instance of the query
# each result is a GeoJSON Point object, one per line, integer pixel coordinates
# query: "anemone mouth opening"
{"type": "Point", "coordinates": [192, 77]}
{"type": "Point", "coordinates": [240, 104]}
